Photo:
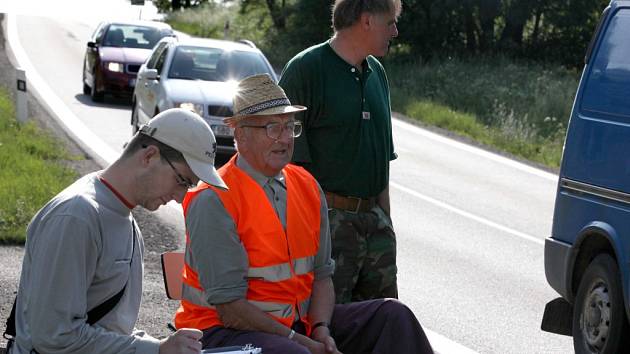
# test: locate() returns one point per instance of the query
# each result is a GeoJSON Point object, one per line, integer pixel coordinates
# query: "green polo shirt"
{"type": "Point", "coordinates": [347, 139]}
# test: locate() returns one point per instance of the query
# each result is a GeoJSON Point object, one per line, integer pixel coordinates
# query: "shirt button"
{"type": "Point", "coordinates": [356, 79]}
{"type": "Point", "coordinates": [353, 69]}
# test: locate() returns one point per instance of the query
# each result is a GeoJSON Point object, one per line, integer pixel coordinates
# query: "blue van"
{"type": "Point", "coordinates": [587, 257]}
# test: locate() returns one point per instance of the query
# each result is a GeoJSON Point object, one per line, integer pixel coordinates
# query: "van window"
{"type": "Point", "coordinates": [607, 90]}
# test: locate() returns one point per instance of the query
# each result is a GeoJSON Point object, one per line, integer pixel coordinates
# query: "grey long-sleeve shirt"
{"type": "Point", "coordinates": [79, 252]}
{"type": "Point", "coordinates": [220, 257]}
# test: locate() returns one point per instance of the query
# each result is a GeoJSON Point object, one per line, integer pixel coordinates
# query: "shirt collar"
{"type": "Point", "coordinates": [365, 64]}
{"type": "Point", "coordinates": [105, 196]}
{"type": "Point", "coordinates": [261, 179]}
{"type": "Point", "coordinates": [116, 193]}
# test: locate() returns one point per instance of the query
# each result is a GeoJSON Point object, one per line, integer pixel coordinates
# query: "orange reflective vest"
{"type": "Point", "coordinates": [280, 274]}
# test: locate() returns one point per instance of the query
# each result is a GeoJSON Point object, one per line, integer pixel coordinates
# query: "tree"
{"type": "Point", "coordinates": [550, 30]}
{"type": "Point", "coordinates": [278, 10]}
{"type": "Point", "coordinates": [176, 5]}
{"type": "Point", "coordinates": [488, 13]}
{"type": "Point", "coordinates": [516, 15]}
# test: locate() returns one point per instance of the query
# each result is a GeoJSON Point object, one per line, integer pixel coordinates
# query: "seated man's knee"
{"type": "Point", "coordinates": [395, 309]}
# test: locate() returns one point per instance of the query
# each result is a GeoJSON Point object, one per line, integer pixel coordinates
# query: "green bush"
{"type": "Point", "coordinates": [204, 21]}
{"type": "Point", "coordinates": [31, 172]}
{"type": "Point", "coordinates": [210, 20]}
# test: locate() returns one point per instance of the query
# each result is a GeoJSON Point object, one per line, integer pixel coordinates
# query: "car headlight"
{"type": "Point", "coordinates": [195, 107]}
{"type": "Point", "coordinates": [115, 67]}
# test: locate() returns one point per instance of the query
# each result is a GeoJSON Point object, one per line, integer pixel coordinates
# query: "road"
{"type": "Point", "coordinates": [470, 224]}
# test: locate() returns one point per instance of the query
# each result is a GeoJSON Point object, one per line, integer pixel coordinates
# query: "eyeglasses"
{"type": "Point", "coordinates": [275, 129]}
{"type": "Point", "coordinates": [181, 181]}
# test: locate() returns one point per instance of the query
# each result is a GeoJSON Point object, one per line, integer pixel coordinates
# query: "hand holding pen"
{"type": "Point", "coordinates": [182, 341]}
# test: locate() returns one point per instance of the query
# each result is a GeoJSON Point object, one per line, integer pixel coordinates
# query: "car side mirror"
{"type": "Point", "coordinates": [151, 74]}
{"type": "Point", "coordinates": [91, 44]}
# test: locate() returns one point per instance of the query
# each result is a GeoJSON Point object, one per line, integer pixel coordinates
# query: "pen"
{"type": "Point", "coordinates": [171, 327]}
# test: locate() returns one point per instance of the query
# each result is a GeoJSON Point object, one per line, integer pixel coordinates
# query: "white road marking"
{"type": "Point", "coordinates": [466, 214]}
{"type": "Point", "coordinates": [443, 345]}
{"type": "Point", "coordinates": [475, 150]}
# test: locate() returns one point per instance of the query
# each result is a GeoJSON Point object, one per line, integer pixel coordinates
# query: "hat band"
{"type": "Point", "coordinates": [265, 105]}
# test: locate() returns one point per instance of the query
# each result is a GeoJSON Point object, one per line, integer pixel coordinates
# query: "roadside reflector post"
{"type": "Point", "coordinates": [21, 108]}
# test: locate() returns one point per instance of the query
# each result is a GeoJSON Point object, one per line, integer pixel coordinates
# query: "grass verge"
{"type": "Point", "coordinates": [518, 107]}
{"type": "Point", "coordinates": [544, 151]}
{"type": "Point", "coordinates": [31, 171]}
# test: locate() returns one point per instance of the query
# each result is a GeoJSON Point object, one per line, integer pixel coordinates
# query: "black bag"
{"type": "Point", "coordinates": [94, 315]}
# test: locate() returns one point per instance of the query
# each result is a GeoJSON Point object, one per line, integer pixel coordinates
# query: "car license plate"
{"type": "Point", "coordinates": [132, 82]}
{"type": "Point", "coordinates": [222, 130]}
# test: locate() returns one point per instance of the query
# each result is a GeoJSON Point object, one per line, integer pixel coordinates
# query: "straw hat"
{"type": "Point", "coordinates": [259, 95]}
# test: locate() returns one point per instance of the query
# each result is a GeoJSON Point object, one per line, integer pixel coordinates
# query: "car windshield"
{"type": "Point", "coordinates": [215, 64]}
{"type": "Point", "coordinates": [133, 36]}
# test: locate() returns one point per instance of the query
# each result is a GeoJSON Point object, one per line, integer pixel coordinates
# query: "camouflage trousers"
{"type": "Point", "coordinates": [364, 250]}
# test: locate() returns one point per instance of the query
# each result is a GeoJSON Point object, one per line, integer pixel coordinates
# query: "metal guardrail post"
{"type": "Point", "coordinates": [21, 108]}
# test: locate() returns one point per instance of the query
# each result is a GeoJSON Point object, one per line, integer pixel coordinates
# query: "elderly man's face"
{"type": "Point", "coordinates": [267, 154]}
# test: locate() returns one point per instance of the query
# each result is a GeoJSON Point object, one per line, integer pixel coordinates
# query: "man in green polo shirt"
{"type": "Point", "coordinates": [347, 141]}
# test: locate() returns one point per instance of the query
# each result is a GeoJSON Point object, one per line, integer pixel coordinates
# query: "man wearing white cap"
{"type": "Point", "coordinates": [258, 260]}
{"type": "Point", "coordinates": [81, 282]}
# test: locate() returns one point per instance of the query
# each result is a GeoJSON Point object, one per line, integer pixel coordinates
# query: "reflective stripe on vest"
{"type": "Point", "coordinates": [280, 272]}
{"type": "Point", "coordinates": [281, 260]}
{"type": "Point", "coordinates": [304, 265]}
{"type": "Point", "coordinates": [194, 296]}
{"type": "Point", "coordinates": [273, 308]}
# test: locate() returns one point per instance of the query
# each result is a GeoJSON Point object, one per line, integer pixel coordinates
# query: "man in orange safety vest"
{"type": "Point", "coordinates": [258, 260]}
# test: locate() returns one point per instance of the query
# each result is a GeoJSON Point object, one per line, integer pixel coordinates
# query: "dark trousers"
{"type": "Point", "coordinates": [383, 326]}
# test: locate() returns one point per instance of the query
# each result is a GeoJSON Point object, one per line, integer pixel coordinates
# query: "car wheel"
{"type": "Point", "coordinates": [134, 120]}
{"type": "Point", "coordinates": [96, 95]}
{"type": "Point", "coordinates": [600, 324]}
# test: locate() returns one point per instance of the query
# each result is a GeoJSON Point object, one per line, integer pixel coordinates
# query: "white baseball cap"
{"type": "Point", "coordinates": [188, 133]}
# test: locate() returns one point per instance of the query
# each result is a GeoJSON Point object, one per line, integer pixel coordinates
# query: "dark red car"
{"type": "Point", "coordinates": [114, 54]}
